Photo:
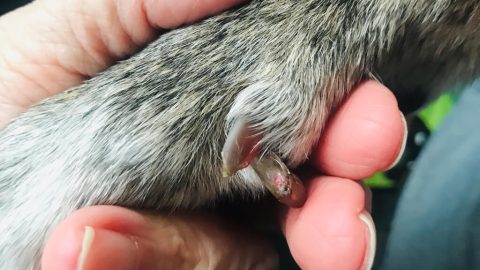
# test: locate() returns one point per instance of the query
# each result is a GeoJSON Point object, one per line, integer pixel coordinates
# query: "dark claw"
{"type": "Point", "coordinates": [278, 179]}
{"type": "Point", "coordinates": [241, 149]}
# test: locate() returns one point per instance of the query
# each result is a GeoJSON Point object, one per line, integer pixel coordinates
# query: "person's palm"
{"type": "Point", "coordinates": [49, 45]}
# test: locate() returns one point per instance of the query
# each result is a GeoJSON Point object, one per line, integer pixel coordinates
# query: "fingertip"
{"type": "Point", "coordinates": [402, 145]}
{"type": "Point", "coordinates": [91, 248]}
{"type": "Point", "coordinates": [62, 250]}
{"type": "Point", "coordinates": [99, 237]}
{"type": "Point", "coordinates": [371, 240]}
{"type": "Point", "coordinates": [364, 136]}
{"type": "Point", "coordinates": [328, 229]}
{"type": "Point", "coordinates": [104, 249]}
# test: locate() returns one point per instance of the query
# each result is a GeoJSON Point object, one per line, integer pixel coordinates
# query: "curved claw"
{"type": "Point", "coordinates": [240, 149]}
{"type": "Point", "coordinates": [278, 179]}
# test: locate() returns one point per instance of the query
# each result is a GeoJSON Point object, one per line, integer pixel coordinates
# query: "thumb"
{"type": "Point", "coordinates": [109, 237]}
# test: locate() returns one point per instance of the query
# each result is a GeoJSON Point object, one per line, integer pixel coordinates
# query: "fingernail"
{"type": "Point", "coordinates": [105, 249]}
{"type": "Point", "coordinates": [88, 236]}
{"type": "Point", "coordinates": [371, 241]}
{"type": "Point", "coordinates": [404, 143]}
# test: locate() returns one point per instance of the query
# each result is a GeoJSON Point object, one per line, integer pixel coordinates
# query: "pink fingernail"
{"type": "Point", "coordinates": [371, 241]}
{"type": "Point", "coordinates": [88, 236]}
{"type": "Point", "coordinates": [404, 143]}
{"type": "Point", "coordinates": [105, 249]}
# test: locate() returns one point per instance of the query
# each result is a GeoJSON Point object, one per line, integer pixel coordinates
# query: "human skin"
{"type": "Point", "coordinates": [70, 41]}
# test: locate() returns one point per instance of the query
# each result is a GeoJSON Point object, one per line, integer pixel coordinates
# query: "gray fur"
{"type": "Point", "coordinates": [148, 132]}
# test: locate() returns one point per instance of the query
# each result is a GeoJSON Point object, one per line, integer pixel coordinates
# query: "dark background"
{"type": "Point", "coordinates": [8, 5]}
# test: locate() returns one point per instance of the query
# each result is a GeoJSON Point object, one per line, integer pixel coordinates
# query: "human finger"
{"type": "Point", "coordinates": [110, 237]}
{"type": "Point", "coordinates": [367, 134]}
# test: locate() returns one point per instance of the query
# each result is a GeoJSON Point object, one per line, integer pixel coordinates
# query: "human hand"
{"type": "Point", "coordinates": [332, 230]}
{"type": "Point", "coordinates": [49, 46]}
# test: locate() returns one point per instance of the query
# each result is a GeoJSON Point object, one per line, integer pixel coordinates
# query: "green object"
{"type": "Point", "coordinates": [379, 180]}
{"type": "Point", "coordinates": [433, 115]}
